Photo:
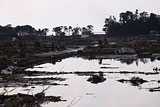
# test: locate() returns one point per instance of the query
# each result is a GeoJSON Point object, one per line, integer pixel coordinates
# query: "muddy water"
{"type": "Point", "coordinates": [110, 93]}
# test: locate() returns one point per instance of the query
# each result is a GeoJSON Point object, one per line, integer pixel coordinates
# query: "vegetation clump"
{"type": "Point", "coordinates": [131, 24]}
{"type": "Point", "coordinates": [95, 79]}
{"type": "Point", "coordinates": [26, 100]}
{"type": "Point", "coordinates": [135, 81]}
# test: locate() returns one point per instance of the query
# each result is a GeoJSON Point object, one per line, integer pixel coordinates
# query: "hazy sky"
{"type": "Point", "coordinates": [51, 13]}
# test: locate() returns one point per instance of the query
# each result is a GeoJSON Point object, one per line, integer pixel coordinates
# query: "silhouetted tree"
{"type": "Point", "coordinates": [8, 30]}
{"type": "Point", "coordinates": [61, 30]}
{"type": "Point", "coordinates": [90, 28]}
{"type": "Point", "coordinates": [76, 31]}
{"type": "Point", "coordinates": [131, 24]}
{"type": "Point", "coordinates": [69, 30]}
{"type": "Point", "coordinates": [111, 26]}
{"type": "Point", "coordinates": [26, 29]}
{"type": "Point", "coordinates": [87, 30]}
{"type": "Point", "coordinates": [57, 30]}
{"type": "Point", "coordinates": [45, 31]}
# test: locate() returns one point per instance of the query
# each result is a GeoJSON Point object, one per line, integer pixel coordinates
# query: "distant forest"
{"type": "Point", "coordinates": [129, 24]}
{"type": "Point", "coordinates": [8, 30]}
{"type": "Point", "coordinates": [132, 23]}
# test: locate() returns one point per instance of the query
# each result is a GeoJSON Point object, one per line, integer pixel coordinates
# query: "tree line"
{"type": "Point", "coordinates": [132, 23]}
{"type": "Point", "coordinates": [129, 24]}
{"type": "Point", "coordinates": [64, 30]}
{"type": "Point", "coordinates": [8, 30]}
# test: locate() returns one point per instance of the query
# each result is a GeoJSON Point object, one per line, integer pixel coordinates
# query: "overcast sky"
{"type": "Point", "coordinates": [51, 13]}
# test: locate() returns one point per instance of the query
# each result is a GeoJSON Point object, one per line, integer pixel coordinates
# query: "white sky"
{"type": "Point", "coordinates": [52, 13]}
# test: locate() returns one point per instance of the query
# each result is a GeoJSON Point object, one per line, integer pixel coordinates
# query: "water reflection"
{"type": "Point", "coordinates": [81, 64]}
{"type": "Point", "coordinates": [134, 81]}
{"type": "Point", "coordinates": [100, 61]}
{"type": "Point", "coordinates": [126, 59]}
{"type": "Point", "coordinates": [84, 74]}
{"type": "Point", "coordinates": [143, 60]}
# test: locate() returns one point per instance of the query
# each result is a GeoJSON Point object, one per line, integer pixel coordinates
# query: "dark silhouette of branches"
{"type": "Point", "coordinates": [131, 24]}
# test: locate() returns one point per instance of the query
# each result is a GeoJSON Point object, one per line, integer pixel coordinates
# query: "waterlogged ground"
{"type": "Point", "coordinates": [80, 64]}
{"type": "Point", "coordinates": [78, 92]}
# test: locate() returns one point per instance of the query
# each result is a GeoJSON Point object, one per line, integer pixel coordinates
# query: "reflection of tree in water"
{"type": "Point", "coordinates": [100, 61]}
{"type": "Point", "coordinates": [127, 61]}
{"type": "Point", "coordinates": [134, 81]}
{"type": "Point", "coordinates": [144, 60]}
{"type": "Point", "coordinates": [137, 61]}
